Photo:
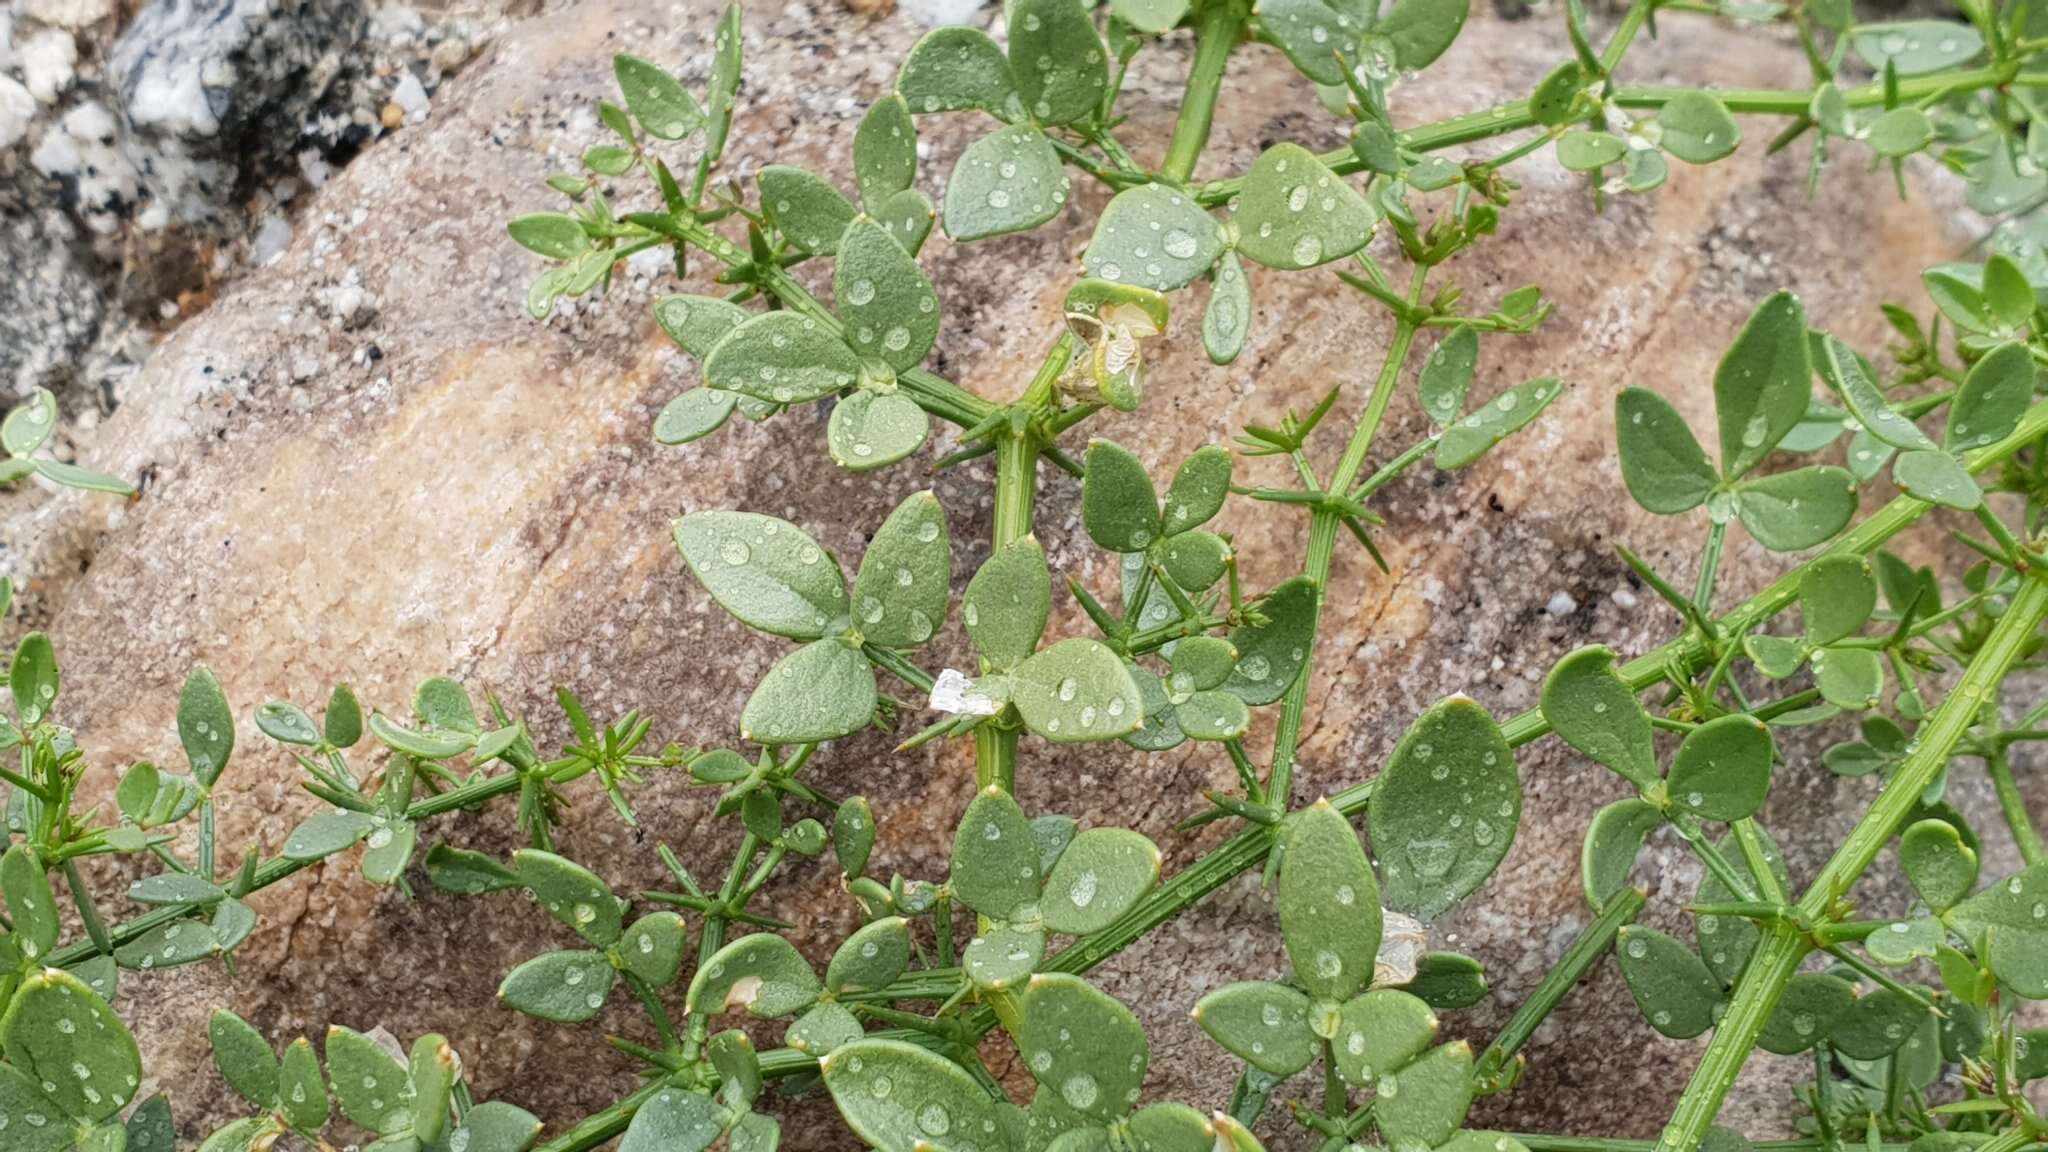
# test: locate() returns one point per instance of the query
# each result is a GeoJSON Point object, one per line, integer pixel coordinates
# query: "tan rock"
{"type": "Point", "coordinates": [480, 496]}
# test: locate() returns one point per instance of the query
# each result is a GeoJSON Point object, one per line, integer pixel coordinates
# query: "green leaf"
{"type": "Point", "coordinates": [368, 1084]}
{"type": "Point", "coordinates": [170, 945]}
{"type": "Point", "coordinates": [327, 833]}
{"type": "Point", "coordinates": [1329, 904]}
{"type": "Point", "coordinates": [1876, 1025]}
{"type": "Point", "coordinates": [433, 1073]}
{"type": "Point", "coordinates": [30, 902]}
{"type": "Point", "coordinates": [33, 678]}
{"type": "Point", "coordinates": [675, 1121]}
{"type": "Point", "coordinates": [1900, 132]}
{"type": "Point", "coordinates": [342, 724]}
{"type": "Point", "coordinates": [698, 323]}
{"type": "Point", "coordinates": [1228, 316]}
{"type": "Point", "coordinates": [1004, 957]}
{"type": "Point", "coordinates": [1914, 47]}
{"type": "Point", "coordinates": [564, 986]}
{"type": "Point", "coordinates": [827, 1027]}
{"type": "Point", "coordinates": [548, 234]}
{"type": "Point", "coordinates": [1271, 655]}
{"type": "Point", "coordinates": [37, 1120]}
{"type": "Point", "coordinates": [1837, 594]}
{"type": "Point", "coordinates": [243, 1057]}
{"type": "Point", "coordinates": [890, 309]}
{"type": "Point", "coordinates": [242, 1135]}
{"type": "Point", "coordinates": [1613, 841]}
{"type": "Point", "coordinates": [1848, 677]}
{"type": "Point", "coordinates": [1056, 59]}
{"type": "Point", "coordinates": [893, 1095]}
{"type": "Point", "coordinates": [1448, 373]}
{"type": "Point", "coordinates": [1310, 33]}
{"type": "Point", "coordinates": [1762, 385]}
{"type": "Point", "coordinates": [1992, 398]}
{"type": "Point", "coordinates": [174, 888]}
{"type": "Point", "coordinates": [1806, 1012]}
{"type": "Point", "coordinates": [853, 835]}
{"type": "Point", "coordinates": [1555, 100]}
{"type": "Point", "coordinates": [1153, 16]}
{"type": "Point", "coordinates": [1007, 603]}
{"type": "Point", "coordinates": [1661, 462]}
{"type": "Point", "coordinates": [1723, 769]}
{"type": "Point", "coordinates": [1083, 1044]}
{"type": "Point", "coordinates": [694, 415]}
{"type": "Point", "coordinates": [1296, 213]}
{"type": "Point", "coordinates": [1445, 809]}
{"type": "Point", "coordinates": [905, 578]}
{"type": "Point", "coordinates": [1902, 942]}
{"type": "Point", "coordinates": [444, 704]}
{"type": "Point", "coordinates": [85, 479]}
{"type": "Point", "coordinates": [1154, 236]}
{"type": "Point", "coordinates": [1940, 866]}
{"type": "Point", "coordinates": [738, 1066]}
{"type": "Point", "coordinates": [1379, 1032]}
{"type": "Point", "coordinates": [724, 85]}
{"type": "Point", "coordinates": [1076, 690]}
{"type": "Point", "coordinates": [1937, 478]}
{"type": "Point", "coordinates": [1726, 941]}
{"type": "Point", "coordinates": [995, 859]}
{"type": "Point", "coordinates": [495, 1126]}
{"type": "Point", "coordinates": [1422, 29]}
{"type": "Point", "coordinates": [1845, 371]}
{"type": "Point", "coordinates": [1198, 489]}
{"type": "Point", "coordinates": [783, 358]}
{"type": "Point", "coordinates": [871, 958]}
{"type": "Point", "coordinates": [1195, 560]}
{"type": "Point", "coordinates": [953, 69]}
{"type": "Point", "coordinates": [872, 430]}
{"type": "Point", "coordinates": [429, 745]}
{"type": "Point", "coordinates": [1492, 422]}
{"type": "Point", "coordinates": [1792, 510]}
{"type": "Point", "coordinates": [302, 1093]}
{"type": "Point", "coordinates": [149, 1126]}
{"type": "Point", "coordinates": [764, 571]}
{"type": "Point", "coordinates": [1010, 180]}
{"type": "Point", "coordinates": [1594, 710]}
{"type": "Point", "coordinates": [884, 151]}
{"type": "Point", "coordinates": [56, 1026]}
{"type": "Point", "coordinates": [664, 110]}
{"type": "Point", "coordinates": [1697, 128]}
{"type": "Point", "coordinates": [762, 973]}
{"type": "Point", "coordinates": [287, 723]}
{"type": "Point", "coordinates": [907, 217]}
{"type": "Point", "coordinates": [1582, 151]}
{"type": "Point", "coordinates": [1101, 875]}
{"type": "Point", "coordinates": [652, 948]}
{"type": "Point", "coordinates": [1672, 986]}
{"type": "Point", "coordinates": [467, 873]}
{"type": "Point", "coordinates": [1427, 1102]}
{"type": "Point", "coordinates": [821, 691]}
{"type": "Point", "coordinates": [1119, 506]}
{"type": "Point", "coordinates": [1175, 1128]}
{"type": "Point", "coordinates": [2014, 938]}
{"type": "Point", "coordinates": [571, 894]}
{"type": "Point", "coordinates": [1261, 1023]}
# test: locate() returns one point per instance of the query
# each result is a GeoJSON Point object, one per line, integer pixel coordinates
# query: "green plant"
{"type": "Point", "coordinates": [895, 1028]}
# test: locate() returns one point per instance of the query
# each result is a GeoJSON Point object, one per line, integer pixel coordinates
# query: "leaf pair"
{"type": "Point", "coordinates": [1837, 595]}
{"type": "Point", "coordinates": [765, 976]}
{"type": "Point", "coordinates": [774, 578]}
{"type": "Point", "coordinates": [1761, 392]}
{"type": "Point", "coordinates": [572, 985]}
{"type": "Point", "coordinates": [26, 430]}
{"type": "Point", "coordinates": [1986, 408]}
{"type": "Point", "coordinates": [1693, 127]}
{"type": "Point", "coordinates": [1032, 877]}
{"type": "Point", "coordinates": [1324, 38]}
{"type": "Point", "coordinates": [1055, 73]}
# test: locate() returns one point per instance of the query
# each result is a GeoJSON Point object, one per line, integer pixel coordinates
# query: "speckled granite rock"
{"type": "Point", "coordinates": [448, 487]}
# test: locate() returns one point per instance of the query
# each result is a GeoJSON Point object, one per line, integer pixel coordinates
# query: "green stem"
{"type": "Point", "coordinates": [1783, 946]}
{"type": "Point", "coordinates": [1216, 33]}
{"type": "Point", "coordinates": [1591, 944]}
{"type": "Point", "coordinates": [1998, 765]}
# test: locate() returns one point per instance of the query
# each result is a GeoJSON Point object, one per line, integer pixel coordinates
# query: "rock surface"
{"type": "Point", "coordinates": [442, 486]}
